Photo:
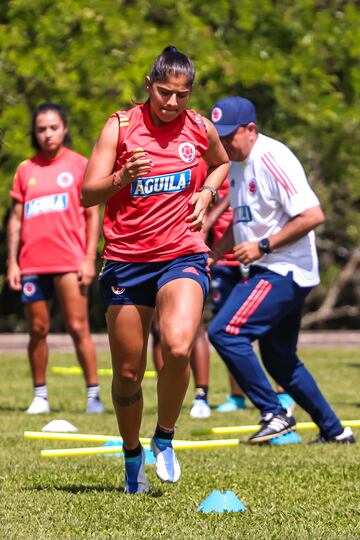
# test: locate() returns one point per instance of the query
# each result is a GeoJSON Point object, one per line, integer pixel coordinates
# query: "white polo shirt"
{"type": "Point", "coordinates": [267, 190]}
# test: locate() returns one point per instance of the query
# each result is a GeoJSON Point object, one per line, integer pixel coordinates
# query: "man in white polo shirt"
{"type": "Point", "coordinates": [274, 214]}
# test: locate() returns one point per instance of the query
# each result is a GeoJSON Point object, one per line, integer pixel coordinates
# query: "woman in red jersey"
{"type": "Point", "coordinates": [145, 165]}
{"type": "Point", "coordinates": [52, 242]}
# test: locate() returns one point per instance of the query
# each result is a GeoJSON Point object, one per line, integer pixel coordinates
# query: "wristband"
{"type": "Point", "coordinates": [213, 191]}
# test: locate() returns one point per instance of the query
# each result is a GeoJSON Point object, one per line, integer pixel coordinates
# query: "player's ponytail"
{"type": "Point", "coordinates": [172, 62]}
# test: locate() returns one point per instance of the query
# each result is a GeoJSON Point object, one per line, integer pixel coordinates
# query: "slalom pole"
{"type": "Point", "coordinates": [76, 370]}
{"type": "Point", "coordinates": [177, 445]}
{"type": "Point", "coordinates": [300, 426]}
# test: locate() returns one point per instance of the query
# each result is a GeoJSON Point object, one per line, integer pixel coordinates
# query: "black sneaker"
{"type": "Point", "coordinates": [272, 426]}
{"type": "Point", "coordinates": [346, 437]}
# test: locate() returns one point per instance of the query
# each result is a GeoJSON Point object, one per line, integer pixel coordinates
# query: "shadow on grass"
{"type": "Point", "coordinates": [345, 403]}
{"type": "Point", "coordinates": [353, 364]}
{"type": "Point", "coordinates": [75, 489]}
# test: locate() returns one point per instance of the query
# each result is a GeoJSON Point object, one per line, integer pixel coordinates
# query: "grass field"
{"type": "Point", "coordinates": [291, 492]}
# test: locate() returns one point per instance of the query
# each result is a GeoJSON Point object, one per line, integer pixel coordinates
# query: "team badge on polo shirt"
{"type": "Point", "coordinates": [29, 289]}
{"type": "Point", "coordinates": [65, 179]}
{"type": "Point", "coordinates": [252, 186]}
{"type": "Point", "coordinates": [187, 152]}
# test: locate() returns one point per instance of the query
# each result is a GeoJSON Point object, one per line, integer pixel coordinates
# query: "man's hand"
{"type": "Point", "coordinates": [247, 252]}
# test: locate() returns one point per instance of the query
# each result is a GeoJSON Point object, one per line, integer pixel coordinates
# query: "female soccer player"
{"type": "Point", "coordinates": [145, 165]}
{"type": "Point", "coordinates": [52, 243]}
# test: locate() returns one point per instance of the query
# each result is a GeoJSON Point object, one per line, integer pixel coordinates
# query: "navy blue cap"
{"type": "Point", "coordinates": [230, 113]}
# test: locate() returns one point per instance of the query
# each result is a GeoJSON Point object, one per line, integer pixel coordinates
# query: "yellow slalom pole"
{"type": "Point", "coordinates": [177, 445]}
{"type": "Point", "coordinates": [76, 370]}
{"type": "Point", "coordinates": [300, 426]}
{"type": "Point", "coordinates": [77, 437]}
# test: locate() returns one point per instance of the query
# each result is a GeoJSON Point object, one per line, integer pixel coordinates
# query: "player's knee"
{"type": "Point", "coordinates": [78, 329]}
{"type": "Point", "coordinates": [38, 330]}
{"type": "Point", "coordinates": [125, 377]}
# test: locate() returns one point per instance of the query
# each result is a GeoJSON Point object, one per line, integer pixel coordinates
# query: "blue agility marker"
{"type": "Point", "coordinates": [287, 438]}
{"type": "Point", "coordinates": [221, 502]}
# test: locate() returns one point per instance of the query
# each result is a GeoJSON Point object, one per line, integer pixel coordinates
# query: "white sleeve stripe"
{"type": "Point", "coordinates": [281, 179]}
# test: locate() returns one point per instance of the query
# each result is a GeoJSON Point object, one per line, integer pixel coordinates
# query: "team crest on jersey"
{"type": "Point", "coordinates": [32, 182]}
{"type": "Point", "coordinates": [29, 289]}
{"type": "Point", "coordinates": [216, 114]}
{"type": "Point", "coordinates": [187, 152]}
{"type": "Point", "coordinates": [252, 186]}
{"type": "Point", "coordinates": [242, 214]}
{"type": "Point", "coordinates": [156, 185]}
{"type": "Point", "coordinates": [44, 205]}
{"type": "Point", "coordinates": [117, 290]}
{"type": "Point", "coordinates": [198, 119]}
{"type": "Point", "coordinates": [65, 179]}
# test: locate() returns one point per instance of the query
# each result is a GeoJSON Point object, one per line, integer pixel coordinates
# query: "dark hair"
{"type": "Point", "coordinates": [45, 107]}
{"type": "Point", "coordinates": [172, 62]}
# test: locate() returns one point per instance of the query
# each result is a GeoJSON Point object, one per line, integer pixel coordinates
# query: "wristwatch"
{"type": "Point", "coordinates": [264, 245]}
{"type": "Point", "coordinates": [213, 191]}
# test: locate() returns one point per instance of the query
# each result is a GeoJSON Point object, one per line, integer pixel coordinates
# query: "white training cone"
{"type": "Point", "coordinates": [62, 426]}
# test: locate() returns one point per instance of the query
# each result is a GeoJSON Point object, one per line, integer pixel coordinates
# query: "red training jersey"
{"type": "Point", "coordinates": [53, 230]}
{"type": "Point", "coordinates": [221, 226]}
{"type": "Point", "coordinates": [145, 221]}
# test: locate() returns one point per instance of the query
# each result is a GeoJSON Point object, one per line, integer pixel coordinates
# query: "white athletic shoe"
{"type": "Point", "coordinates": [94, 406]}
{"type": "Point", "coordinates": [167, 465]}
{"type": "Point", "coordinates": [200, 409]}
{"type": "Point", "coordinates": [39, 405]}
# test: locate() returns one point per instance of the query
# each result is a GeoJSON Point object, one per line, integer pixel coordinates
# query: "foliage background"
{"type": "Point", "coordinates": [298, 61]}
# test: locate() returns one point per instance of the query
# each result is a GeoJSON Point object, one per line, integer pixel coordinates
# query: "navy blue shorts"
{"type": "Point", "coordinates": [37, 287]}
{"type": "Point", "coordinates": [138, 283]}
{"type": "Point", "coordinates": [223, 280]}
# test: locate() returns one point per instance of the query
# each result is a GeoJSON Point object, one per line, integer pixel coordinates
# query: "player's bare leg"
{"type": "Point", "coordinates": [200, 365]}
{"type": "Point", "coordinates": [180, 304]}
{"type": "Point", "coordinates": [37, 316]}
{"type": "Point", "coordinates": [73, 302]}
{"type": "Point", "coordinates": [128, 328]}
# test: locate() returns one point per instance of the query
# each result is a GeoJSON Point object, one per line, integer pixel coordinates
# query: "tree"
{"type": "Point", "coordinates": [298, 62]}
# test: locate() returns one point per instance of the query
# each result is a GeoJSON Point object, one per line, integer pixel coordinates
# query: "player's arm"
{"type": "Point", "coordinates": [219, 166]}
{"type": "Point", "coordinates": [293, 230]}
{"type": "Point", "coordinates": [224, 245]}
{"type": "Point", "coordinates": [13, 275]}
{"type": "Point", "coordinates": [100, 183]}
{"type": "Point", "coordinates": [215, 212]}
{"type": "Point", "coordinates": [87, 268]}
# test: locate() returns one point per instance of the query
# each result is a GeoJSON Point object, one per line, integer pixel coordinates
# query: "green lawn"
{"type": "Point", "coordinates": [292, 492]}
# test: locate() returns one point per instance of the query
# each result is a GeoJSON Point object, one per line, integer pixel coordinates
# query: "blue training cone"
{"type": "Point", "coordinates": [288, 438]}
{"type": "Point", "coordinates": [221, 502]}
